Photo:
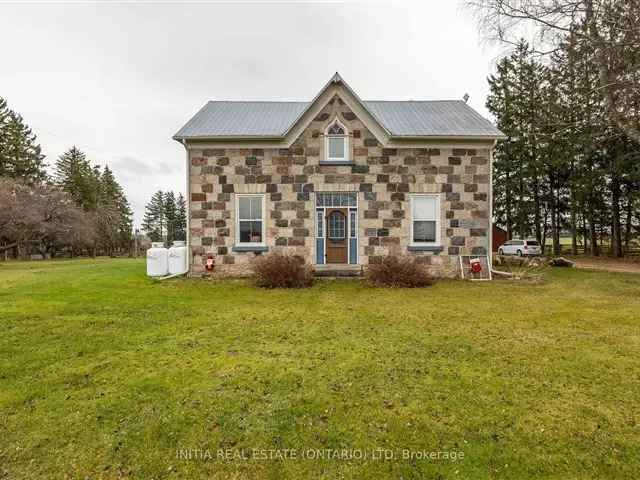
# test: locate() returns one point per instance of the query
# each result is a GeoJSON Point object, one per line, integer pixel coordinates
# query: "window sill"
{"type": "Point", "coordinates": [250, 248]}
{"type": "Point", "coordinates": [425, 248]}
{"type": "Point", "coordinates": [336, 162]}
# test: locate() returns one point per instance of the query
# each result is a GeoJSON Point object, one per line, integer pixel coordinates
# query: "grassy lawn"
{"type": "Point", "coordinates": [106, 374]}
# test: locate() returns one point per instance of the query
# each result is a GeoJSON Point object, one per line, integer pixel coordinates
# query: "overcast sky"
{"type": "Point", "coordinates": [119, 79]}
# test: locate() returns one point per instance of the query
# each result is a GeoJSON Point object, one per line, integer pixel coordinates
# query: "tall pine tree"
{"type": "Point", "coordinates": [165, 217]}
{"type": "Point", "coordinates": [74, 174]}
{"type": "Point", "coordinates": [170, 216]}
{"type": "Point", "coordinates": [20, 155]}
{"type": "Point", "coordinates": [114, 213]}
{"type": "Point", "coordinates": [154, 220]}
{"type": "Point", "coordinates": [181, 218]}
{"type": "Point", "coordinates": [565, 168]}
{"type": "Point", "coordinates": [514, 100]}
{"type": "Point", "coordinates": [4, 117]}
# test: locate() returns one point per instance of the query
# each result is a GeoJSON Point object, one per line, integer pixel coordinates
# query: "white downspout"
{"type": "Point", "coordinates": [174, 275]}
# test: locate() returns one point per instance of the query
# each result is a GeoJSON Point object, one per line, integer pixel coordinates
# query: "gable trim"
{"type": "Point", "coordinates": [337, 87]}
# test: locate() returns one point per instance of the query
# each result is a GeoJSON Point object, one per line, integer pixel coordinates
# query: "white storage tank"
{"type": "Point", "coordinates": [178, 258]}
{"type": "Point", "coordinates": [157, 260]}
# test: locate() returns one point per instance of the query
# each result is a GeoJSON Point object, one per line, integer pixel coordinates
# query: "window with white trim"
{"type": "Point", "coordinates": [250, 224]}
{"type": "Point", "coordinates": [336, 142]}
{"type": "Point", "coordinates": [425, 219]}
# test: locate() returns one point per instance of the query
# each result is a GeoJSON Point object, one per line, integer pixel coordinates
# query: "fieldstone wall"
{"type": "Point", "coordinates": [383, 178]}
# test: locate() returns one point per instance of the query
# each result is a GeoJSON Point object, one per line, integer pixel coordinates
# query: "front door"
{"type": "Point", "coordinates": [336, 222]}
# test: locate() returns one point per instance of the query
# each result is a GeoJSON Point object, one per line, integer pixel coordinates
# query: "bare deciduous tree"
{"type": "Point", "coordinates": [609, 28]}
{"type": "Point", "coordinates": [42, 217]}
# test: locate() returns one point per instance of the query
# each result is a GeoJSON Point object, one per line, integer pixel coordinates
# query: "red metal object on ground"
{"type": "Point", "coordinates": [210, 263]}
{"type": "Point", "coordinates": [476, 266]}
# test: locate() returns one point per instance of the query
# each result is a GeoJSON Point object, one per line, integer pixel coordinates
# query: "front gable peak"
{"type": "Point", "coordinates": [336, 87]}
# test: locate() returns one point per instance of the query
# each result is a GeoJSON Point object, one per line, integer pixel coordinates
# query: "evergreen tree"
{"type": "Point", "coordinates": [501, 103]}
{"type": "Point", "coordinates": [514, 99]}
{"type": "Point", "coordinates": [154, 222]}
{"type": "Point", "coordinates": [20, 156]}
{"type": "Point", "coordinates": [74, 174]}
{"type": "Point", "coordinates": [115, 213]}
{"type": "Point", "coordinates": [565, 167]}
{"type": "Point", "coordinates": [165, 217]}
{"type": "Point", "coordinates": [181, 218]}
{"type": "Point", "coordinates": [170, 216]}
{"type": "Point", "coordinates": [579, 169]}
{"type": "Point", "coordinates": [4, 118]}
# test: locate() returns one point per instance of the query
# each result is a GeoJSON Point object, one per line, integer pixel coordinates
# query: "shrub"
{"type": "Point", "coordinates": [400, 271]}
{"type": "Point", "coordinates": [282, 271]}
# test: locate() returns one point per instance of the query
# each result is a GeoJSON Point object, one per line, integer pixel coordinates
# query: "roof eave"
{"type": "Point", "coordinates": [180, 138]}
{"type": "Point", "coordinates": [448, 137]}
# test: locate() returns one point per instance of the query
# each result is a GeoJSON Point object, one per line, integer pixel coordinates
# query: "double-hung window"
{"type": "Point", "coordinates": [337, 142]}
{"type": "Point", "coordinates": [425, 220]}
{"type": "Point", "coordinates": [250, 224]}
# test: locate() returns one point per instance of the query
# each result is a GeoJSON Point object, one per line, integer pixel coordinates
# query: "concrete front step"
{"type": "Point", "coordinates": [338, 270]}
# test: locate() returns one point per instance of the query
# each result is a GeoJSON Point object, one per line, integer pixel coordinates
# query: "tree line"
{"type": "Point", "coordinates": [570, 109]}
{"type": "Point", "coordinates": [80, 209]}
{"type": "Point", "coordinates": [165, 217]}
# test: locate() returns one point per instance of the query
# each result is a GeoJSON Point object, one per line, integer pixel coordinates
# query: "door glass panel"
{"type": "Point", "coordinates": [336, 227]}
{"type": "Point", "coordinates": [320, 222]}
{"type": "Point", "coordinates": [352, 214]}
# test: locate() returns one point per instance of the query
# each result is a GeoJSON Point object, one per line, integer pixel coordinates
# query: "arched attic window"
{"type": "Point", "coordinates": [336, 142]}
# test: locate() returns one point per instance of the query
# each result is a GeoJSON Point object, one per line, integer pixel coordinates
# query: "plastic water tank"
{"type": "Point", "coordinates": [177, 258]}
{"type": "Point", "coordinates": [157, 260]}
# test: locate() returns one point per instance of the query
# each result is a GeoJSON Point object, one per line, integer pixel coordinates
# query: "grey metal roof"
{"type": "Point", "coordinates": [400, 118]}
{"type": "Point", "coordinates": [431, 118]}
{"type": "Point", "coordinates": [246, 119]}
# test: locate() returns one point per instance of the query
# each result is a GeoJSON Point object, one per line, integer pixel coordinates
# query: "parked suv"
{"type": "Point", "coordinates": [520, 248]}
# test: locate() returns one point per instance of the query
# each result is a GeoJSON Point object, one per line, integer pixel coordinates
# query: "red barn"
{"type": "Point", "coordinates": [499, 237]}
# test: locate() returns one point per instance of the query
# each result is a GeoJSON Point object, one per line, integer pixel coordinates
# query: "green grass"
{"type": "Point", "coordinates": [107, 374]}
